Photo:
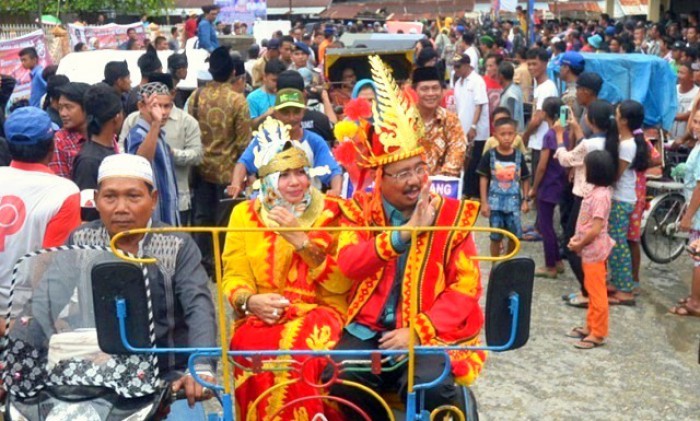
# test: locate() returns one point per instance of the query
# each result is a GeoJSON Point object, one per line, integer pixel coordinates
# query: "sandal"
{"type": "Point", "coordinates": [568, 297]}
{"type": "Point", "coordinates": [613, 301]}
{"type": "Point", "coordinates": [577, 302]}
{"type": "Point", "coordinates": [577, 333]}
{"type": "Point", "coordinates": [683, 301]}
{"type": "Point", "coordinates": [533, 236]}
{"type": "Point", "coordinates": [684, 310]}
{"type": "Point", "coordinates": [586, 343]}
{"type": "Point", "coordinates": [544, 273]}
{"type": "Point", "coordinates": [560, 267]}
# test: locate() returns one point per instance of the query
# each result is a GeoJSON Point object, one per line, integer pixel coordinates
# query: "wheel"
{"type": "Point", "coordinates": [660, 239]}
{"type": "Point", "coordinates": [472, 412]}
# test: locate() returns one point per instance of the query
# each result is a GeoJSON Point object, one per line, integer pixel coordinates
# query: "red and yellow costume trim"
{"type": "Point", "coordinates": [449, 283]}
{"type": "Point", "coordinates": [263, 262]}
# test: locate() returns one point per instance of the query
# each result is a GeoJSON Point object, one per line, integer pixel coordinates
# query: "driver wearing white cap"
{"type": "Point", "coordinates": [182, 303]}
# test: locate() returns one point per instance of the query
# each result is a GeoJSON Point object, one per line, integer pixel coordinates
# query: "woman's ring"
{"type": "Point", "coordinates": [274, 313]}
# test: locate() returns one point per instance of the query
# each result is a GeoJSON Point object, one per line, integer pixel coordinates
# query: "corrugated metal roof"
{"type": "Point", "coordinates": [270, 3]}
{"type": "Point", "coordinates": [406, 10]}
{"type": "Point", "coordinates": [579, 6]}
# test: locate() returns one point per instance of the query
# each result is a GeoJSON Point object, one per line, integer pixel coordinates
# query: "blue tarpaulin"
{"type": "Point", "coordinates": [643, 78]}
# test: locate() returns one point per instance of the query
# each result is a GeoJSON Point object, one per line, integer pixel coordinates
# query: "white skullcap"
{"type": "Point", "coordinates": [125, 165]}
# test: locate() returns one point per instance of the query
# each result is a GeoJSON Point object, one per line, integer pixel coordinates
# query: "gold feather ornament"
{"type": "Point", "coordinates": [397, 123]}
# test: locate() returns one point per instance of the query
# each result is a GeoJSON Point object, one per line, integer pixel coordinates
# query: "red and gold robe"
{"type": "Point", "coordinates": [258, 263]}
{"type": "Point", "coordinates": [449, 281]}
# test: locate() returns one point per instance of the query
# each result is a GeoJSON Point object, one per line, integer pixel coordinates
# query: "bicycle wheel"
{"type": "Point", "coordinates": [660, 238]}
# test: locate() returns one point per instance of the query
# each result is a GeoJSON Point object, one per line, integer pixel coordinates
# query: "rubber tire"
{"type": "Point", "coordinates": [646, 246]}
{"type": "Point", "coordinates": [472, 412]}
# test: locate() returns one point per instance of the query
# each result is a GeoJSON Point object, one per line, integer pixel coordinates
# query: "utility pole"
{"type": "Point", "coordinates": [40, 12]}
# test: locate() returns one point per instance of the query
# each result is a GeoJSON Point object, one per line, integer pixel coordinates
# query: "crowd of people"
{"type": "Point", "coordinates": [480, 104]}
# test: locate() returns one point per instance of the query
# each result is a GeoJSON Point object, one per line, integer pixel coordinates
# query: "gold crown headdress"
{"type": "Point", "coordinates": [394, 134]}
{"type": "Point", "coordinates": [277, 152]}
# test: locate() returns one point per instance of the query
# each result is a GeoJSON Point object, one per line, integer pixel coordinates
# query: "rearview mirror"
{"type": "Point", "coordinates": [513, 277]}
{"type": "Point", "coordinates": [111, 281]}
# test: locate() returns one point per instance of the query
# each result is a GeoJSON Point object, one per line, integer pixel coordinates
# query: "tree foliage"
{"type": "Point", "coordinates": [153, 7]}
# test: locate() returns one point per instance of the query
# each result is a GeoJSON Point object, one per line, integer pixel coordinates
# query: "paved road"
{"type": "Point", "coordinates": [647, 371]}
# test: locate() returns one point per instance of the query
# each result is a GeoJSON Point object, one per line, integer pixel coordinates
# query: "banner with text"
{"type": "Point", "coordinates": [245, 11]}
{"type": "Point", "coordinates": [10, 63]}
{"type": "Point", "coordinates": [445, 186]}
{"type": "Point", "coordinates": [109, 36]}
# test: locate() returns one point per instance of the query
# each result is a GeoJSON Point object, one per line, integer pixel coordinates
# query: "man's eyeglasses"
{"type": "Point", "coordinates": [403, 176]}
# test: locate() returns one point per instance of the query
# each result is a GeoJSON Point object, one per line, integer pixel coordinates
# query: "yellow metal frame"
{"type": "Point", "coordinates": [216, 245]}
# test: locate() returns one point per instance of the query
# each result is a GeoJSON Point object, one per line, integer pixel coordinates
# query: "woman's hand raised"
{"type": "Point", "coordinates": [285, 219]}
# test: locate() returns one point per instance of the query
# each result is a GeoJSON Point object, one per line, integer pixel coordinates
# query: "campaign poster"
{"type": "Point", "coordinates": [10, 63]}
{"type": "Point", "coordinates": [245, 11]}
{"type": "Point", "coordinates": [109, 37]}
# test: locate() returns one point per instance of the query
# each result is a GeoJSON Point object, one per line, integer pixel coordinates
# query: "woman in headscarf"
{"type": "Point", "coordinates": [284, 287]}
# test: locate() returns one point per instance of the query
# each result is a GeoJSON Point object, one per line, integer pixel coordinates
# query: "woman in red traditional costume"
{"type": "Point", "coordinates": [284, 287]}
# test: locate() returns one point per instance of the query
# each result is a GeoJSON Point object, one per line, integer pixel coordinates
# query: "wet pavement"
{"type": "Point", "coordinates": [648, 370]}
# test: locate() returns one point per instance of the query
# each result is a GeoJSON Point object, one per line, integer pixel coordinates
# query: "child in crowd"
{"type": "Point", "coordinates": [634, 156]}
{"type": "Point", "coordinates": [593, 244]}
{"type": "Point", "coordinates": [600, 118]}
{"type": "Point", "coordinates": [504, 183]}
{"type": "Point", "coordinates": [630, 117]}
{"type": "Point", "coordinates": [497, 114]}
{"type": "Point", "coordinates": [547, 188]}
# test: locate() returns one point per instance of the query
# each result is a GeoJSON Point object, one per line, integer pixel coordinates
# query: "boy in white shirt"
{"type": "Point", "coordinates": [537, 59]}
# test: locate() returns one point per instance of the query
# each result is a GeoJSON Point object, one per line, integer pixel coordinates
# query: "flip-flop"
{"type": "Point", "coordinates": [577, 333]}
{"type": "Point", "coordinates": [577, 302]}
{"type": "Point", "coordinates": [588, 344]}
{"type": "Point", "coordinates": [684, 310]}
{"type": "Point", "coordinates": [631, 302]}
{"type": "Point", "coordinates": [529, 228]}
{"type": "Point", "coordinates": [532, 236]}
{"type": "Point", "coordinates": [543, 273]}
{"type": "Point", "coordinates": [568, 297]}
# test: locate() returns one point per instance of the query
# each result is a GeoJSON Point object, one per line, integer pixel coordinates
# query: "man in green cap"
{"type": "Point", "coordinates": [289, 108]}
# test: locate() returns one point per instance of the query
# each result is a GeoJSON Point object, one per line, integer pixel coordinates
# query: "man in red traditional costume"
{"type": "Point", "coordinates": [383, 265]}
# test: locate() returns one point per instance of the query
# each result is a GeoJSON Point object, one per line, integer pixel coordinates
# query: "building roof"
{"type": "Point", "coordinates": [394, 10]}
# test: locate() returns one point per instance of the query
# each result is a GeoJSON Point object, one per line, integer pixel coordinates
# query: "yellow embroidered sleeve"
{"type": "Point", "coordinates": [238, 278]}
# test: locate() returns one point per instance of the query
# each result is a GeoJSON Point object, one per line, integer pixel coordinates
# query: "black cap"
{"type": "Point", "coordinates": [238, 66]}
{"type": "Point", "coordinates": [220, 64]}
{"type": "Point", "coordinates": [590, 81]}
{"type": "Point", "coordinates": [115, 70]}
{"type": "Point", "coordinates": [149, 62]}
{"type": "Point", "coordinates": [678, 45]}
{"type": "Point", "coordinates": [290, 79]}
{"type": "Point", "coordinates": [424, 74]}
{"type": "Point", "coordinates": [177, 61]}
{"type": "Point", "coordinates": [164, 78]}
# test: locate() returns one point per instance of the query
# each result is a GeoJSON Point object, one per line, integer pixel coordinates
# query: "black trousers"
{"type": "Point", "coordinates": [471, 178]}
{"type": "Point", "coordinates": [428, 368]}
{"type": "Point", "coordinates": [573, 258]}
{"type": "Point", "coordinates": [205, 209]}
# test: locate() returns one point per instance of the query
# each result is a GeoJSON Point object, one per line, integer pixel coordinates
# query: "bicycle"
{"type": "Point", "coordinates": [662, 241]}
